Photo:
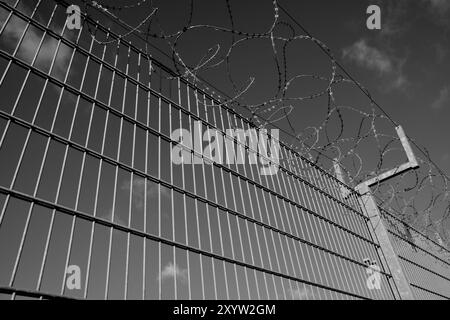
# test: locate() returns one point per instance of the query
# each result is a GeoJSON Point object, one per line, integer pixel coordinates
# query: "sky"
{"type": "Point", "coordinates": [403, 65]}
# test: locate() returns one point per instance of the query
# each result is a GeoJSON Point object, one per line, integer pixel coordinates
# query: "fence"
{"type": "Point", "coordinates": [88, 180]}
{"type": "Point", "coordinates": [424, 262]}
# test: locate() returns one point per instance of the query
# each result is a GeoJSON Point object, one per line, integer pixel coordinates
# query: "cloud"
{"type": "Point", "coordinates": [399, 81]}
{"type": "Point", "coordinates": [138, 194]}
{"type": "Point", "coordinates": [439, 11]}
{"type": "Point", "coordinates": [117, 219]}
{"type": "Point", "coordinates": [374, 59]}
{"type": "Point", "coordinates": [369, 57]}
{"type": "Point", "coordinates": [299, 294]}
{"type": "Point", "coordinates": [171, 270]}
{"type": "Point", "coordinates": [396, 12]}
{"type": "Point", "coordinates": [441, 52]}
{"type": "Point", "coordinates": [446, 157]}
{"type": "Point", "coordinates": [442, 100]}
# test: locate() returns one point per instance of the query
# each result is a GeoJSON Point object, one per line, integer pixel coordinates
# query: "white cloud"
{"type": "Point", "coordinates": [441, 52]}
{"type": "Point", "coordinates": [30, 43]}
{"type": "Point", "coordinates": [446, 157]}
{"type": "Point", "coordinates": [439, 12]}
{"type": "Point", "coordinates": [138, 193]}
{"type": "Point", "coordinates": [374, 59]}
{"type": "Point", "coordinates": [369, 57]}
{"type": "Point", "coordinates": [394, 14]}
{"type": "Point", "coordinates": [299, 294]}
{"type": "Point", "coordinates": [171, 270]}
{"type": "Point", "coordinates": [399, 82]}
{"type": "Point", "coordinates": [443, 99]}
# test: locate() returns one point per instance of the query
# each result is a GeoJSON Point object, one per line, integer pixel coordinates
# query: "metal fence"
{"type": "Point", "coordinates": [88, 179]}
